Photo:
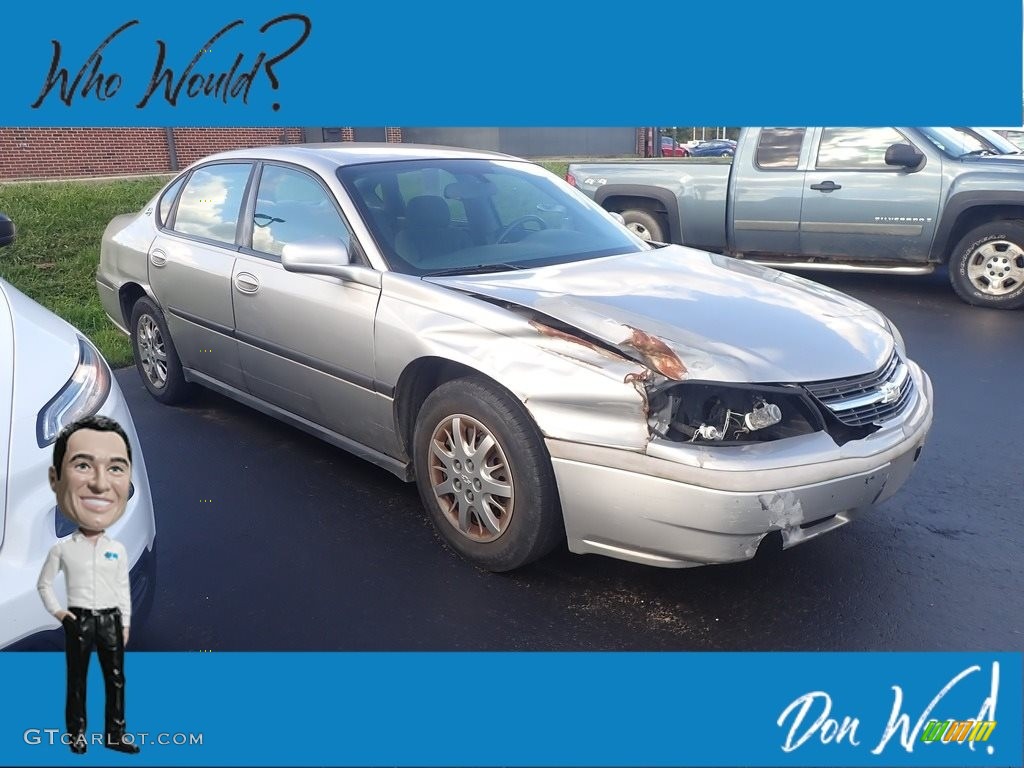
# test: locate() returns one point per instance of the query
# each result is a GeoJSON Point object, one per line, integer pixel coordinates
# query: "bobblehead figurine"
{"type": "Point", "coordinates": [91, 476]}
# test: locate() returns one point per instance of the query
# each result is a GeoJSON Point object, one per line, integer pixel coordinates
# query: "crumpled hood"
{"type": "Point", "coordinates": [725, 319]}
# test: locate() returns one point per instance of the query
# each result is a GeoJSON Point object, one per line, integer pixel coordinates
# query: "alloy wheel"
{"type": "Point", "coordinates": [996, 268]}
{"type": "Point", "coordinates": [470, 477]}
{"type": "Point", "coordinates": [152, 351]}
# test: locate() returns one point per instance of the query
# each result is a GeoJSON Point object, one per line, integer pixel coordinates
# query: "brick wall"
{"type": "Point", "coordinates": [47, 153]}
{"type": "Point", "coordinates": [196, 143]}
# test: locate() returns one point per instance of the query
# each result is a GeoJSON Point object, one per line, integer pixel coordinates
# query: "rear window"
{"type": "Point", "coordinates": [779, 148]}
{"type": "Point", "coordinates": [167, 202]}
{"type": "Point", "coordinates": [210, 203]}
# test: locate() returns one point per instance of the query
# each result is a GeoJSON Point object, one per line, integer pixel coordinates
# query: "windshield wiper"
{"type": "Point", "coordinates": [978, 152]}
{"type": "Point", "coordinates": [474, 269]}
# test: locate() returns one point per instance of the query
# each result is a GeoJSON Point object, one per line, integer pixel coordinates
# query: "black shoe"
{"type": "Point", "coordinates": [118, 744]}
{"type": "Point", "coordinates": [78, 743]}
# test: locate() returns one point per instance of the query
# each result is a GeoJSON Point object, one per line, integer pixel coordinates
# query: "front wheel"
{"type": "Point", "coordinates": [485, 477]}
{"type": "Point", "coordinates": [986, 268]}
{"type": "Point", "coordinates": [645, 224]}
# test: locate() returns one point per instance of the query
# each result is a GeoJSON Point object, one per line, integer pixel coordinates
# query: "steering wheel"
{"type": "Point", "coordinates": [518, 224]}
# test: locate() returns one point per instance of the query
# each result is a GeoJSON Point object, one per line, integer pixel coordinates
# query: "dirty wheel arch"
{"type": "Point", "coordinates": [484, 475]}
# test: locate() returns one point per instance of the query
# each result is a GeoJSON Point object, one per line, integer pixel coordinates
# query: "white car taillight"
{"type": "Point", "coordinates": [82, 396]}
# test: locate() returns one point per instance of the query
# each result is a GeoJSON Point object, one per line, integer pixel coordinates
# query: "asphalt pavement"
{"type": "Point", "coordinates": [269, 539]}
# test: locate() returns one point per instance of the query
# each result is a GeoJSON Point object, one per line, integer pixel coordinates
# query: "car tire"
{"type": "Point", "coordinates": [520, 520]}
{"type": "Point", "coordinates": [155, 356]}
{"type": "Point", "coordinates": [646, 225]}
{"type": "Point", "coordinates": [986, 268]}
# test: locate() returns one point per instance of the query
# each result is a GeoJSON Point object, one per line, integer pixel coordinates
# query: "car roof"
{"type": "Point", "coordinates": [328, 156]}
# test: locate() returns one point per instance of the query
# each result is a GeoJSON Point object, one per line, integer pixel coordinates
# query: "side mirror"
{"type": "Point", "coordinates": [317, 258]}
{"type": "Point", "coordinates": [327, 257]}
{"type": "Point", "coordinates": [904, 155]}
{"type": "Point", "coordinates": [7, 231]}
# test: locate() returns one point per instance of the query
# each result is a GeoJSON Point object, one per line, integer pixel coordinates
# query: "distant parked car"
{"type": "Point", "coordinates": [1016, 135]}
{"type": "Point", "coordinates": [714, 148]}
{"type": "Point", "coordinates": [672, 148]}
{"type": "Point", "coordinates": [50, 376]}
{"type": "Point", "coordinates": [965, 142]}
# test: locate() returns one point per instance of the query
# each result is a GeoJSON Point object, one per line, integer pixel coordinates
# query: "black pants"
{"type": "Point", "coordinates": [102, 630]}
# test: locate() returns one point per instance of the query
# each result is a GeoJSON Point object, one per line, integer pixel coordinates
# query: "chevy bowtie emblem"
{"type": "Point", "coordinates": [113, 555]}
{"type": "Point", "coordinates": [890, 392]}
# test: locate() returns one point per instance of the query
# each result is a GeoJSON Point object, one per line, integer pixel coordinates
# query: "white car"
{"type": "Point", "coordinates": [50, 376]}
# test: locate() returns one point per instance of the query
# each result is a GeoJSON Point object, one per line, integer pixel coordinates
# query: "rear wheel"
{"type": "Point", "coordinates": [485, 477]}
{"type": "Point", "coordinates": [986, 268]}
{"type": "Point", "coordinates": [155, 356]}
{"type": "Point", "coordinates": [647, 225]}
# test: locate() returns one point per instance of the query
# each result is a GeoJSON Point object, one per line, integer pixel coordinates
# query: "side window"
{"type": "Point", "coordinates": [167, 202]}
{"type": "Point", "coordinates": [779, 148]}
{"type": "Point", "coordinates": [209, 204]}
{"type": "Point", "coordinates": [292, 207]}
{"type": "Point", "coordinates": [856, 148]}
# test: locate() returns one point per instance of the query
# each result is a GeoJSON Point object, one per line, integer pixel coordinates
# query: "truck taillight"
{"type": "Point", "coordinates": [571, 179]}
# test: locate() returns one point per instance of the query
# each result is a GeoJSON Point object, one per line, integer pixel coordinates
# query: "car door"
{"type": "Point", "coordinates": [857, 208]}
{"type": "Point", "coordinates": [767, 192]}
{"type": "Point", "coordinates": [191, 261]}
{"type": "Point", "coordinates": [306, 341]}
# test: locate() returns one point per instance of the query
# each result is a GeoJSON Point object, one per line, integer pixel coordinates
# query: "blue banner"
{"type": "Point", "coordinates": [555, 709]}
{"type": "Point", "coordinates": [528, 63]}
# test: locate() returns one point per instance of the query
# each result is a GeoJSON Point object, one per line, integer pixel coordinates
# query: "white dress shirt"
{"type": "Point", "coordinates": [96, 571]}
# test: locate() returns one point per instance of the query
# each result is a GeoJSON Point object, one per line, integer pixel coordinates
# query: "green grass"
{"type": "Point", "coordinates": [58, 247]}
{"type": "Point", "coordinates": [557, 168]}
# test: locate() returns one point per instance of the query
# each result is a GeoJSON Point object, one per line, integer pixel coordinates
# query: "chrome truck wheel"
{"type": "Point", "coordinates": [987, 267]}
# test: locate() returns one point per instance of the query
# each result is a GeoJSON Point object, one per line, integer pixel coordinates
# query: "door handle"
{"type": "Point", "coordinates": [247, 282]}
{"type": "Point", "coordinates": [157, 257]}
{"type": "Point", "coordinates": [826, 186]}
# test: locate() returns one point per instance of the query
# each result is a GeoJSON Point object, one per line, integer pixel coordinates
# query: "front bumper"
{"type": "Point", "coordinates": [681, 505]}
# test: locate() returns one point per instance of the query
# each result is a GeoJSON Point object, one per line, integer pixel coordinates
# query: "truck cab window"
{"type": "Point", "coordinates": [856, 148]}
{"type": "Point", "coordinates": [779, 148]}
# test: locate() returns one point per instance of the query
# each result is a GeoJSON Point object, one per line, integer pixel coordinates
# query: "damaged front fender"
{"type": "Point", "coordinates": [576, 389]}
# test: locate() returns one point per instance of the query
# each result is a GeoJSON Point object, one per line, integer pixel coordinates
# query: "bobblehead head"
{"type": "Point", "coordinates": [91, 473]}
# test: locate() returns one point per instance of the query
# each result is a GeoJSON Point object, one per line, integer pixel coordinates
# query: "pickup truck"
{"type": "Point", "coordinates": [883, 200]}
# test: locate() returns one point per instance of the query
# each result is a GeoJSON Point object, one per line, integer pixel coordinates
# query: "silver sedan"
{"type": "Point", "coordinates": [469, 321]}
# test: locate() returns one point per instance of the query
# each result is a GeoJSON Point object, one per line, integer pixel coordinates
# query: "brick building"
{"type": "Point", "coordinates": [51, 153]}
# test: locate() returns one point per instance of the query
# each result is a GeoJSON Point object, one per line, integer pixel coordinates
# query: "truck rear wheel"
{"type": "Point", "coordinates": [986, 268]}
{"type": "Point", "coordinates": [646, 225]}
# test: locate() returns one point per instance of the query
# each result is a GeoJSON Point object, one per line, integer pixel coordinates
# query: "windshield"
{"type": "Point", "coordinates": [451, 215]}
{"type": "Point", "coordinates": [957, 142]}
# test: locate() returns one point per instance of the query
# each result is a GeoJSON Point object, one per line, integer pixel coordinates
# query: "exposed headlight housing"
{"type": "Point", "coordinates": [82, 396]}
{"type": "Point", "coordinates": [705, 411]}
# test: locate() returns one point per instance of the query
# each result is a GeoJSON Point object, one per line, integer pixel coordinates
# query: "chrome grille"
{"type": "Point", "coordinates": [861, 400]}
